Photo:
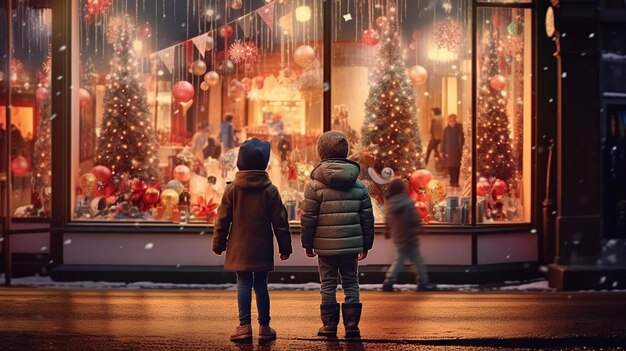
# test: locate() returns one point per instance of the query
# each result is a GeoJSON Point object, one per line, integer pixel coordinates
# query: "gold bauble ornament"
{"type": "Point", "coordinates": [436, 191]}
{"type": "Point", "coordinates": [212, 78]}
{"type": "Point", "coordinates": [418, 74]}
{"type": "Point", "coordinates": [198, 68]}
{"type": "Point", "coordinates": [304, 56]}
{"type": "Point", "coordinates": [87, 183]}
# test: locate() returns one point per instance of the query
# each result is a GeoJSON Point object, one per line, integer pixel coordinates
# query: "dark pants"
{"type": "Point", "coordinates": [332, 267]}
{"type": "Point", "coordinates": [433, 144]}
{"type": "Point", "coordinates": [245, 282]}
{"type": "Point", "coordinates": [454, 175]}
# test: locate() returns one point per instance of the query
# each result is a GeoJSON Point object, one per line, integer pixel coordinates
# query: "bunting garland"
{"type": "Point", "coordinates": [167, 56]}
{"type": "Point", "coordinates": [200, 43]}
{"type": "Point", "coordinates": [267, 14]}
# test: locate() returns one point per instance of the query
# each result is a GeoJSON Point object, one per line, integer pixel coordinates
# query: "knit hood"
{"type": "Point", "coordinates": [254, 154]}
{"type": "Point", "coordinates": [337, 173]}
{"type": "Point", "coordinates": [252, 179]}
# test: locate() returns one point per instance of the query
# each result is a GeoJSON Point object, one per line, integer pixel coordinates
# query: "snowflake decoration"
{"type": "Point", "coordinates": [243, 52]}
{"type": "Point", "coordinates": [447, 35]}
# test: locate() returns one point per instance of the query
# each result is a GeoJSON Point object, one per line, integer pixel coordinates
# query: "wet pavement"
{"type": "Point", "coordinates": [49, 319]}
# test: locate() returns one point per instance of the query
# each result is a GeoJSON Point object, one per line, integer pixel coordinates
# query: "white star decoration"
{"type": "Point", "coordinates": [347, 17]}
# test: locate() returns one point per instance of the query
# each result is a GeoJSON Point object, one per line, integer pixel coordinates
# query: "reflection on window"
{"type": "Point", "coordinates": [28, 79]}
{"type": "Point", "coordinates": [170, 89]}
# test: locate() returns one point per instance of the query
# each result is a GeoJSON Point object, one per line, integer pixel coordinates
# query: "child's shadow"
{"type": "Point", "coordinates": [348, 345]}
{"type": "Point", "coordinates": [261, 346]}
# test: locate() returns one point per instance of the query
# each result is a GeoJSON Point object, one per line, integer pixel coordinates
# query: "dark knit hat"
{"type": "Point", "coordinates": [254, 154]}
{"type": "Point", "coordinates": [396, 186]}
{"type": "Point", "coordinates": [332, 144]}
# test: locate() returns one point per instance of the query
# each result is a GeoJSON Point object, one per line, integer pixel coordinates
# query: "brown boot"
{"type": "Point", "coordinates": [351, 317]}
{"type": "Point", "coordinates": [243, 333]}
{"type": "Point", "coordinates": [266, 333]}
{"type": "Point", "coordinates": [330, 317]}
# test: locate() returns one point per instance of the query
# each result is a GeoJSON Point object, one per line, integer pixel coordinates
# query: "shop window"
{"type": "Point", "coordinates": [25, 85]}
{"type": "Point", "coordinates": [158, 80]}
{"type": "Point", "coordinates": [402, 91]}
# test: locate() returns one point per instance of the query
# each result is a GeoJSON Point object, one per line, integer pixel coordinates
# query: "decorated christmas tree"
{"type": "Point", "coordinates": [494, 156]}
{"type": "Point", "coordinates": [390, 123]}
{"type": "Point", "coordinates": [127, 141]}
{"type": "Point", "coordinates": [466, 161]}
{"type": "Point", "coordinates": [42, 168]}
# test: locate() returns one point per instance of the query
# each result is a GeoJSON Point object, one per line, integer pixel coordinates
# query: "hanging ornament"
{"type": "Point", "coordinates": [198, 68]}
{"type": "Point", "coordinates": [515, 28]}
{"type": "Point", "coordinates": [94, 8]}
{"type": "Point", "coordinates": [303, 13]}
{"type": "Point", "coordinates": [183, 91]}
{"type": "Point", "coordinates": [103, 175]}
{"type": "Point", "coordinates": [181, 173]}
{"type": "Point", "coordinates": [304, 56]}
{"type": "Point", "coordinates": [417, 74]}
{"type": "Point", "coordinates": [19, 166]}
{"type": "Point", "coordinates": [370, 37]}
{"type": "Point", "coordinates": [482, 187]}
{"type": "Point", "coordinates": [447, 35]}
{"type": "Point", "coordinates": [227, 68]}
{"type": "Point", "coordinates": [236, 4]}
{"type": "Point", "coordinates": [144, 30]}
{"type": "Point", "coordinates": [245, 52]}
{"type": "Point", "coordinates": [211, 78]}
{"type": "Point", "coordinates": [497, 82]}
{"type": "Point", "coordinates": [499, 187]}
{"type": "Point", "coordinates": [204, 86]}
{"type": "Point", "coordinates": [210, 43]}
{"type": "Point", "coordinates": [175, 185]}
{"type": "Point", "coordinates": [258, 82]}
{"type": "Point", "coordinates": [225, 31]}
{"type": "Point", "coordinates": [42, 94]}
{"type": "Point", "coordinates": [381, 21]}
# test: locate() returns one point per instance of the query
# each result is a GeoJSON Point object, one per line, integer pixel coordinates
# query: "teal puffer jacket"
{"type": "Point", "coordinates": [337, 215]}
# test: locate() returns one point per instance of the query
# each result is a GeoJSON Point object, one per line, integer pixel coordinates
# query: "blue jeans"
{"type": "Point", "coordinates": [412, 253]}
{"type": "Point", "coordinates": [245, 282]}
{"type": "Point", "coordinates": [330, 268]}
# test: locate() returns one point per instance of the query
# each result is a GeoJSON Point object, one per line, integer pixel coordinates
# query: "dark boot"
{"type": "Point", "coordinates": [351, 317]}
{"type": "Point", "coordinates": [330, 318]}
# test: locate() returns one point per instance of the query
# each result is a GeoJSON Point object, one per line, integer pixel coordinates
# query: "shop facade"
{"type": "Point", "coordinates": [137, 94]}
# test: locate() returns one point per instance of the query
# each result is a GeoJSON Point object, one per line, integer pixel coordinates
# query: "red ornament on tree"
{"type": "Point", "coordinates": [183, 91]}
{"type": "Point", "coordinates": [151, 196]}
{"type": "Point", "coordinates": [103, 174]}
{"type": "Point", "coordinates": [137, 185]}
{"type": "Point", "coordinates": [371, 37]}
{"type": "Point", "coordinates": [20, 166]}
{"type": "Point", "coordinates": [497, 82]}
{"type": "Point", "coordinates": [483, 187]}
{"type": "Point", "coordinates": [42, 94]}
{"type": "Point", "coordinates": [225, 31]}
{"type": "Point", "coordinates": [499, 187]}
{"type": "Point", "coordinates": [420, 178]}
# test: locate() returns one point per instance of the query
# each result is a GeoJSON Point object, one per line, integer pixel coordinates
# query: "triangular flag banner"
{"type": "Point", "coordinates": [200, 43]}
{"type": "Point", "coordinates": [167, 56]}
{"type": "Point", "coordinates": [267, 14]}
{"type": "Point", "coordinates": [245, 24]}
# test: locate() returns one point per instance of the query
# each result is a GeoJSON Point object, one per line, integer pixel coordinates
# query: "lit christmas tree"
{"type": "Point", "coordinates": [494, 156]}
{"type": "Point", "coordinates": [42, 167]}
{"type": "Point", "coordinates": [466, 161]}
{"type": "Point", "coordinates": [127, 141]}
{"type": "Point", "coordinates": [390, 122]}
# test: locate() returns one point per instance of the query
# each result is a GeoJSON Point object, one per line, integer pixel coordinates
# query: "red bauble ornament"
{"type": "Point", "coordinates": [84, 98]}
{"type": "Point", "coordinates": [102, 173]}
{"type": "Point", "coordinates": [183, 91]}
{"type": "Point", "coordinates": [151, 196]}
{"type": "Point", "coordinates": [105, 191]}
{"type": "Point", "coordinates": [417, 74]}
{"type": "Point", "coordinates": [258, 82]}
{"type": "Point", "coordinates": [482, 187]}
{"type": "Point", "coordinates": [181, 173]}
{"type": "Point", "coordinates": [371, 37]}
{"type": "Point", "coordinates": [381, 21]}
{"type": "Point", "coordinates": [499, 187]}
{"type": "Point", "coordinates": [20, 166]}
{"type": "Point", "coordinates": [137, 184]}
{"type": "Point", "coordinates": [42, 94]}
{"type": "Point", "coordinates": [497, 82]}
{"type": "Point", "coordinates": [419, 178]}
{"type": "Point", "coordinates": [225, 31]}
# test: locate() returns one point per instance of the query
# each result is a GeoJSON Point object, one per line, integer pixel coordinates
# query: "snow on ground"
{"type": "Point", "coordinates": [47, 282]}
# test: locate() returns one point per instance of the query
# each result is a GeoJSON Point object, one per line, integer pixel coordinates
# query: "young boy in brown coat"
{"type": "Point", "coordinates": [250, 215]}
{"type": "Point", "coordinates": [338, 226]}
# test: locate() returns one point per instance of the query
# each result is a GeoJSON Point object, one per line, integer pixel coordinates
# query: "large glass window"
{"type": "Point", "coordinates": [168, 91]}
{"type": "Point", "coordinates": [25, 87]}
{"type": "Point", "coordinates": [402, 91]}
